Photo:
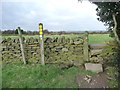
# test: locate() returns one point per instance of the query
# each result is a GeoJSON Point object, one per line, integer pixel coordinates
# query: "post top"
{"type": "Point", "coordinates": [40, 24]}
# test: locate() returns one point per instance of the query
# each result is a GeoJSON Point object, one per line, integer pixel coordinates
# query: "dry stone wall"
{"type": "Point", "coordinates": [56, 50]}
{"type": "Point", "coordinates": [96, 52]}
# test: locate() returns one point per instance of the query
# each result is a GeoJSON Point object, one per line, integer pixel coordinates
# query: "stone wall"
{"type": "Point", "coordinates": [56, 50]}
{"type": "Point", "coordinates": [96, 52]}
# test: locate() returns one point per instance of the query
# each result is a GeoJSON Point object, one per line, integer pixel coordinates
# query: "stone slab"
{"type": "Point", "coordinates": [94, 67]}
{"type": "Point", "coordinates": [64, 49]}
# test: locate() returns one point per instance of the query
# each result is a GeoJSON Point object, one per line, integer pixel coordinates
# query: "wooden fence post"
{"type": "Point", "coordinates": [21, 44]}
{"type": "Point", "coordinates": [41, 42]}
{"type": "Point", "coordinates": [86, 49]}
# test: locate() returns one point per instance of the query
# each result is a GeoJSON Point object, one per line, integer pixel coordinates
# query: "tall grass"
{"type": "Point", "coordinates": [38, 76]}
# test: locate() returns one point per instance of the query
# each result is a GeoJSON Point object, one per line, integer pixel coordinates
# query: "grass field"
{"type": "Point", "coordinates": [99, 38]}
{"type": "Point", "coordinates": [37, 76]}
{"type": "Point", "coordinates": [93, 38]}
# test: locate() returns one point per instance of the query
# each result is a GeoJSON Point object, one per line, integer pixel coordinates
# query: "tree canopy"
{"type": "Point", "coordinates": [105, 11]}
{"type": "Point", "coordinates": [109, 14]}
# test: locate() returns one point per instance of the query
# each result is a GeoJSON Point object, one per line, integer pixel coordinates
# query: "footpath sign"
{"type": "Point", "coordinates": [41, 42]}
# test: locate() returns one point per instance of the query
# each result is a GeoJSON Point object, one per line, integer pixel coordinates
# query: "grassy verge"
{"type": "Point", "coordinates": [37, 76]}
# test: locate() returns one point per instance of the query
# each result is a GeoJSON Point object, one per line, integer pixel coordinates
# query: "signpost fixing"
{"type": "Point", "coordinates": [41, 42]}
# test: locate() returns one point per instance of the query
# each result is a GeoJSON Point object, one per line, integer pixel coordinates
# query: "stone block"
{"type": "Point", "coordinates": [77, 42]}
{"type": "Point", "coordinates": [97, 46]}
{"type": "Point", "coordinates": [48, 40]}
{"type": "Point", "coordinates": [64, 50]}
{"type": "Point", "coordinates": [96, 52]}
{"type": "Point", "coordinates": [94, 67]}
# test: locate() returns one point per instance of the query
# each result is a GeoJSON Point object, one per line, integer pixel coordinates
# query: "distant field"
{"type": "Point", "coordinates": [93, 38]}
{"type": "Point", "coordinates": [99, 38]}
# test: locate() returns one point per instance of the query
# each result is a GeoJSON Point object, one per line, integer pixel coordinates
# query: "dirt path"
{"type": "Point", "coordinates": [97, 81]}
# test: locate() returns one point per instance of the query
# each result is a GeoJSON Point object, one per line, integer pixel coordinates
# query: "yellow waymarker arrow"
{"type": "Point", "coordinates": [41, 29]}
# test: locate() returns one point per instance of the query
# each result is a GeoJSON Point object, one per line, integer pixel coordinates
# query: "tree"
{"type": "Point", "coordinates": [109, 13]}
{"type": "Point", "coordinates": [22, 31]}
{"type": "Point", "coordinates": [46, 31]}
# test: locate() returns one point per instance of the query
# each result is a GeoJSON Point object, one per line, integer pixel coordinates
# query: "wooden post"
{"type": "Point", "coordinates": [21, 44]}
{"type": "Point", "coordinates": [41, 42]}
{"type": "Point", "coordinates": [86, 51]}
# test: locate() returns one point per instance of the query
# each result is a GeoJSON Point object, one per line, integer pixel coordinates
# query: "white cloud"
{"type": "Point", "coordinates": [55, 14]}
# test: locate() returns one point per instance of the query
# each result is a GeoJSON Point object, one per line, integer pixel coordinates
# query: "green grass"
{"type": "Point", "coordinates": [99, 38]}
{"type": "Point", "coordinates": [93, 38]}
{"type": "Point", "coordinates": [113, 74]}
{"type": "Point", "coordinates": [38, 76]}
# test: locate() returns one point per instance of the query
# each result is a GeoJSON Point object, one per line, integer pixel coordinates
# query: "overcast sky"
{"type": "Point", "coordinates": [56, 15]}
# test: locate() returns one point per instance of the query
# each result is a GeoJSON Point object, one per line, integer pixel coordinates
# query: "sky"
{"type": "Point", "coordinates": [56, 15]}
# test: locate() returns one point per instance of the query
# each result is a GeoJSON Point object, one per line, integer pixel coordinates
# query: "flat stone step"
{"type": "Point", "coordinates": [94, 67]}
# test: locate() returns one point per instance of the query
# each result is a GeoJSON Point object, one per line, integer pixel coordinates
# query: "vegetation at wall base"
{"type": "Point", "coordinates": [111, 55]}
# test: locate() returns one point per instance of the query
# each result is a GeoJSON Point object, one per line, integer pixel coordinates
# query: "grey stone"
{"type": "Point", "coordinates": [64, 49]}
{"type": "Point", "coordinates": [71, 41]}
{"type": "Point", "coordinates": [96, 52]}
{"type": "Point", "coordinates": [88, 78]}
{"type": "Point", "coordinates": [94, 59]}
{"type": "Point", "coordinates": [97, 46]}
{"type": "Point", "coordinates": [48, 40]}
{"type": "Point", "coordinates": [58, 49]}
{"type": "Point", "coordinates": [94, 67]}
{"type": "Point", "coordinates": [100, 58]}
{"type": "Point", "coordinates": [77, 42]}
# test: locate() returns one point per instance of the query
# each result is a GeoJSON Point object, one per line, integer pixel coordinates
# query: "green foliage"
{"type": "Point", "coordinates": [111, 55]}
{"type": "Point", "coordinates": [38, 76]}
{"type": "Point", "coordinates": [111, 34]}
{"type": "Point", "coordinates": [105, 11]}
{"type": "Point", "coordinates": [113, 77]}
